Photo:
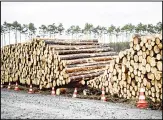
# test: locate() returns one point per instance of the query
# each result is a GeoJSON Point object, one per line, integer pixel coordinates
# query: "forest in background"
{"type": "Point", "coordinates": [118, 37]}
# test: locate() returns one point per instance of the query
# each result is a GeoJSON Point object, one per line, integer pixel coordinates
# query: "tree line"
{"type": "Point", "coordinates": [75, 31]}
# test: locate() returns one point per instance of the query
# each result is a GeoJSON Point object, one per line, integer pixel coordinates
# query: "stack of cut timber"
{"type": "Point", "coordinates": [139, 66]}
{"type": "Point", "coordinates": [47, 63]}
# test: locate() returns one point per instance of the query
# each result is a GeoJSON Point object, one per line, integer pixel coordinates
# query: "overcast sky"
{"type": "Point", "coordinates": [78, 13]}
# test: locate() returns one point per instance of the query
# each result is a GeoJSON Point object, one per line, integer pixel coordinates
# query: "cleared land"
{"type": "Point", "coordinates": [21, 105]}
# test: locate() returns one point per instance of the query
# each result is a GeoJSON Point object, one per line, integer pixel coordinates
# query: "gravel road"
{"type": "Point", "coordinates": [21, 105]}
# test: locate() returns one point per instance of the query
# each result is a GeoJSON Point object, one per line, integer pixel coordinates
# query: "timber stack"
{"type": "Point", "coordinates": [49, 63]}
{"type": "Point", "coordinates": [139, 66]}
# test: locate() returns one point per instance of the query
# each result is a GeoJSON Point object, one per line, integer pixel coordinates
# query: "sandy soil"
{"type": "Point", "coordinates": [21, 105]}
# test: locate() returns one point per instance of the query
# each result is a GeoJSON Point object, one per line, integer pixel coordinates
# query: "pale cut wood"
{"type": "Point", "coordinates": [157, 41]}
{"type": "Point", "coordinates": [150, 76]}
{"type": "Point", "coordinates": [148, 68]}
{"type": "Point", "coordinates": [136, 58]}
{"type": "Point", "coordinates": [151, 52]}
{"type": "Point", "coordinates": [160, 46]}
{"type": "Point", "coordinates": [158, 75]}
{"type": "Point", "coordinates": [156, 49]}
{"type": "Point", "coordinates": [159, 65]}
{"type": "Point", "coordinates": [159, 57]}
{"type": "Point", "coordinates": [152, 62]}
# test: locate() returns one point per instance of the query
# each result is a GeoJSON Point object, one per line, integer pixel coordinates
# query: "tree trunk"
{"type": "Point", "coordinates": [31, 36]}
{"type": "Point", "coordinates": [9, 37]}
{"type": "Point", "coordinates": [4, 40]}
{"type": "Point", "coordinates": [50, 35]}
{"type": "Point", "coordinates": [16, 37]}
{"type": "Point", "coordinates": [71, 36]}
{"type": "Point", "coordinates": [126, 35]}
{"type": "Point", "coordinates": [20, 37]}
{"type": "Point", "coordinates": [110, 38]}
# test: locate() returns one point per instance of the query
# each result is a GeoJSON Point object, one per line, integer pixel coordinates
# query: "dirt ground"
{"type": "Point", "coordinates": [21, 105]}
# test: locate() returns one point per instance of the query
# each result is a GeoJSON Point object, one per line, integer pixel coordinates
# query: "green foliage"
{"type": "Point", "coordinates": [43, 29]}
{"type": "Point", "coordinates": [119, 46]}
{"type": "Point", "coordinates": [60, 28]}
{"type": "Point", "coordinates": [2, 29]}
{"type": "Point", "coordinates": [88, 29]}
{"type": "Point", "coordinates": [111, 29]}
{"type": "Point", "coordinates": [158, 27]}
{"type": "Point", "coordinates": [32, 28]}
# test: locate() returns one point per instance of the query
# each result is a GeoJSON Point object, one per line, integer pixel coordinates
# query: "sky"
{"type": "Point", "coordinates": [78, 13]}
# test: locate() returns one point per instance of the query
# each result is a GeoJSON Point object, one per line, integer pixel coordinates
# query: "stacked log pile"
{"type": "Point", "coordinates": [139, 66]}
{"type": "Point", "coordinates": [47, 63]}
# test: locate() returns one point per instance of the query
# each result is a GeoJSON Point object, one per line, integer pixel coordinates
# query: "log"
{"type": "Point", "coordinates": [85, 72]}
{"type": "Point", "coordinates": [65, 47]}
{"type": "Point", "coordinates": [58, 42]}
{"type": "Point", "coordinates": [148, 68]}
{"type": "Point", "coordinates": [89, 64]}
{"type": "Point", "coordinates": [156, 49]}
{"type": "Point", "coordinates": [79, 40]}
{"type": "Point", "coordinates": [85, 68]}
{"type": "Point", "coordinates": [65, 52]}
{"type": "Point", "coordinates": [61, 91]}
{"type": "Point", "coordinates": [61, 63]}
{"type": "Point", "coordinates": [159, 66]}
{"type": "Point", "coordinates": [158, 41]}
{"type": "Point", "coordinates": [150, 76]}
{"type": "Point", "coordinates": [158, 75]}
{"type": "Point", "coordinates": [86, 76]}
{"type": "Point", "coordinates": [77, 56]}
{"type": "Point", "coordinates": [86, 60]}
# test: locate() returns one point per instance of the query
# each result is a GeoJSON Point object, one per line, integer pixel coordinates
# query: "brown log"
{"type": "Point", "coordinates": [84, 68]}
{"type": "Point", "coordinates": [77, 56]}
{"type": "Point", "coordinates": [89, 64]}
{"type": "Point", "coordinates": [58, 42]}
{"type": "Point", "coordinates": [86, 76]}
{"type": "Point", "coordinates": [65, 47]}
{"type": "Point", "coordinates": [85, 72]}
{"type": "Point", "coordinates": [86, 60]}
{"type": "Point", "coordinates": [61, 91]}
{"type": "Point", "coordinates": [65, 52]}
{"type": "Point", "coordinates": [79, 40]}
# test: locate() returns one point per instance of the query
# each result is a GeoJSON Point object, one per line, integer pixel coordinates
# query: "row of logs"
{"type": "Point", "coordinates": [139, 66]}
{"type": "Point", "coordinates": [51, 63]}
